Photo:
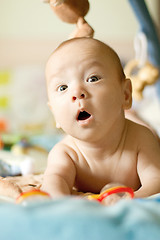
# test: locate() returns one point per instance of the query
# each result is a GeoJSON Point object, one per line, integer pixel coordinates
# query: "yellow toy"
{"type": "Point", "coordinates": [73, 11]}
{"type": "Point", "coordinates": [140, 70]}
{"type": "Point", "coordinates": [146, 75]}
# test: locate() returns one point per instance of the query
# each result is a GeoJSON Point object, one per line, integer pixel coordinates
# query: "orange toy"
{"type": "Point", "coordinates": [1, 143]}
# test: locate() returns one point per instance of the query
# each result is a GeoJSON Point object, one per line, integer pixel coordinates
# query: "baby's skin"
{"type": "Point", "coordinates": [88, 94]}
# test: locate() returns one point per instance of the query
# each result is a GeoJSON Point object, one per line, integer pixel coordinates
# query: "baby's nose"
{"type": "Point", "coordinates": [78, 94]}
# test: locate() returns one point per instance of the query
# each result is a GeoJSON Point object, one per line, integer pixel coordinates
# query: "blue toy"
{"type": "Point", "coordinates": [148, 28]}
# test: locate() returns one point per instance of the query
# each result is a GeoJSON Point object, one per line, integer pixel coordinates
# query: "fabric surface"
{"type": "Point", "coordinates": [78, 219]}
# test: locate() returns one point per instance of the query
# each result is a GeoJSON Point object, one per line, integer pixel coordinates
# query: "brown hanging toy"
{"type": "Point", "coordinates": [73, 11]}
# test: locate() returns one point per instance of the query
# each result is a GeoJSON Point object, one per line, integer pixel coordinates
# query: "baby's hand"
{"type": "Point", "coordinates": [9, 189]}
{"type": "Point", "coordinates": [111, 200]}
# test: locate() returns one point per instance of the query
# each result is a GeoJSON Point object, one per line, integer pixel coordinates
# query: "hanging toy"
{"type": "Point", "coordinates": [73, 11]}
{"type": "Point", "coordinates": [140, 70]}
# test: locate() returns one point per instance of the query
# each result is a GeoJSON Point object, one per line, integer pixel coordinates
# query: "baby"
{"type": "Point", "coordinates": [88, 94]}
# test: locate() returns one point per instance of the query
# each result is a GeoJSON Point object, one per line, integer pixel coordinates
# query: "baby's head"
{"type": "Point", "coordinates": [86, 84]}
{"type": "Point", "coordinates": [89, 46]}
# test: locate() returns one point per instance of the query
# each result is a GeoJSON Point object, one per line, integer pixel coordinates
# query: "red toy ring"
{"type": "Point", "coordinates": [118, 189]}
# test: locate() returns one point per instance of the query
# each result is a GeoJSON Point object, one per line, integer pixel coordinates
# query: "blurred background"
{"type": "Point", "coordinates": [29, 32]}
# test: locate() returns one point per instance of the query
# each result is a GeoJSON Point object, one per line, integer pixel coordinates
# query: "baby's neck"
{"type": "Point", "coordinates": [106, 146]}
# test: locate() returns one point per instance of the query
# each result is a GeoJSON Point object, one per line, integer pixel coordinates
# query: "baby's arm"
{"type": "Point", "coordinates": [9, 188]}
{"type": "Point", "coordinates": [148, 166]}
{"type": "Point", "coordinates": [59, 176]}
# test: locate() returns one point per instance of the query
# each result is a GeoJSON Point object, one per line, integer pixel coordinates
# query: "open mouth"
{"type": "Point", "coordinates": [83, 116]}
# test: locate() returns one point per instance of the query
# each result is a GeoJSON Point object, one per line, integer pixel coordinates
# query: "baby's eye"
{"type": "Point", "coordinates": [62, 88]}
{"type": "Point", "coordinates": [93, 79]}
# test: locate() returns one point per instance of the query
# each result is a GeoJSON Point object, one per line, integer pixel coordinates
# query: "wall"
{"type": "Point", "coordinates": [30, 30]}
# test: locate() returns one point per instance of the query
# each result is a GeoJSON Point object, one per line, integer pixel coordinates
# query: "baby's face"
{"type": "Point", "coordinates": [85, 89]}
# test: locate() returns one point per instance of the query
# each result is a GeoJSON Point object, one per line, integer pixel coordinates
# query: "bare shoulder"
{"type": "Point", "coordinates": [141, 134]}
{"type": "Point", "coordinates": [62, 148]}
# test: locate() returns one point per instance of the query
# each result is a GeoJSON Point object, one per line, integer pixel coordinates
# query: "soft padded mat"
{"type": "Point", "coordinates": [77, 219]}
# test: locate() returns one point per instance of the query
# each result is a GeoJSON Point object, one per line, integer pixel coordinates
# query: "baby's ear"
{"type": "Point", "coordinates": [57, 124]}
{"type": "Point", "coordinates": [127, 103]}
{"type": "Point", "coordinates": [49, 105]}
